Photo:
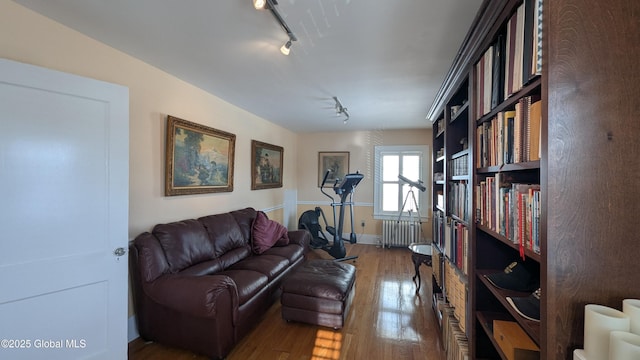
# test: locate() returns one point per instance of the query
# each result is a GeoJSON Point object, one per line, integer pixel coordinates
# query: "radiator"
{"type": "Point", "coordinates": [400, 233]}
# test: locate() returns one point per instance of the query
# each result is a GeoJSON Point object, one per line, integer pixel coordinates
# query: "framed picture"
{"type": "Point", "coordinates": [337, 162]}
{"type": "Point", "coordinates": [266, 165]}
{"type": "Point", "coordinates": [199, 159]}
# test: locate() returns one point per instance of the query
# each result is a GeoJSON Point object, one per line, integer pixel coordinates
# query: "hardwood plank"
{"type": "Point", "coordinates": [387, 320]}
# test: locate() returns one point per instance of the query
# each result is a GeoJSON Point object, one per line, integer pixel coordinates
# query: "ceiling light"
{"type": "Point", "coordinates": [341, 110]}
{"type": "Point", "coordinates": [271, 5]}
{"type": "Point", "coordinates": [286, 48]}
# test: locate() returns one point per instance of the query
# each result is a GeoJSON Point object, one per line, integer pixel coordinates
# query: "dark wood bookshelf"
{"type": "Point", "coordinates": [485, 319]}
{"type": "Point", "coordinates": [521, 166]}
{"type": "Point", "coordinates": [532, 88]}
{"type": "Point", "coordinates": [528, 252]}
{"type": "Point", "coordinates": [588, 169]}
{"type": "Point", "coordinates": [532, 328]}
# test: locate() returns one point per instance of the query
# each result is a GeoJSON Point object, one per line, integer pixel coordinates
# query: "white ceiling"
{"type": "Point", "coordinates": [384, 60]}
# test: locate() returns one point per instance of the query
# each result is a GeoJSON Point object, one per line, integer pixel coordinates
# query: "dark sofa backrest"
{"type": "Point", "coordinates": [231, 235]}
{"type": "Point", "coordinates": [185, 243]}
{"type": "Point", "coordinates": [213, 242]}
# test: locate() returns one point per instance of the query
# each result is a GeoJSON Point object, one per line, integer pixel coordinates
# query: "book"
{"type": "Point", "coordinates": [488, 67]}
{"type": "Point", "coordinates": [497, 81]}
{"type": "Point", "coordinates": [536, 66]}
{"type": "Point", "coordinates": [517, 134]}
{"type": "Point", "coordinates": [535, 120]}
{"type": "Point", "coordinates": [527, 48]}
{"type": "Point", "coordinates": [509, 53]}
{"type": "Point", "coordinates": [509, 118]}
{"type": "Point", "coordinates": [519, 51]}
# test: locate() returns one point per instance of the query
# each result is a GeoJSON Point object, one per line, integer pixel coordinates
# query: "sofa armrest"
{"type": "Point", "coordinates": [199, 296]}
{"type": "Point", "coordinates": [300, 237]}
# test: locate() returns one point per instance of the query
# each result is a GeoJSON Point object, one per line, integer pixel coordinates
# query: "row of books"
{"type": "Point", "coordinates": [512, 60]}
{"type": "Point", "coordinates": [452, 237]}
{"type": "Point", "coordinates": [459, 166]}
{"type": "Point", "coordinates": [455, 342]}
{"type": "Point", "coordinates": [511, 210]}
{"type": "Point", "coordinates": [511, 136]}
{"type": "Point", "coordinates": [456, 293]}
{"type": "Point", "coordinates": [458, 204]}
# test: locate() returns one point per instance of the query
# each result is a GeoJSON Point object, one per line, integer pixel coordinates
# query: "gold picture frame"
{"type": "Point", "coordinates": [337, 162]}
{"type": "Point", "coordinates": [199, 159]}
{"type": "Point", "coordinates": [266, 165]}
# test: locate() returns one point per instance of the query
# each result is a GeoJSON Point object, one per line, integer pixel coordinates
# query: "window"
{"type": "Point", "coordinates": [391, 195]}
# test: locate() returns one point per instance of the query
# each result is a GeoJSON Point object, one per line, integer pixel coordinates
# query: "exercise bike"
{"type": "Point", "coordinates": [309, 220]}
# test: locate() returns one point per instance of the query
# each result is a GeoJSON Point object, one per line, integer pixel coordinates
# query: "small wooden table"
{"type": "Point", "coordinates": [420, 254]}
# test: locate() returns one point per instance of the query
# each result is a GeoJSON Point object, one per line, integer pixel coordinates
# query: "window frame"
{"type": "Point", "coordinates": [423, 196]}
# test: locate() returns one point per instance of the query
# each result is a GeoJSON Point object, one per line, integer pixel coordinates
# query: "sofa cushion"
{"type": "Point", "coordinates": [208, 267]}
{"type": "Point", "coordinates": [292, 252]}
{"type": "Point", "coordinates": [267, 233]}
{"type": "Point", "coordinates": [247, 282]}
{"type": "Point", "coordinates": [269, 265]}
{"type": "Point", "coordinates": [224, 232]}
{"type": "Point", "coordinates": [185, 243]}
{"type": "Point", "coordinates": [233, 256]}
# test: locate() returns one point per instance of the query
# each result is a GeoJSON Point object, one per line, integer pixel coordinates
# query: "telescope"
{"type": "Point", "coordinates": [418, 185]}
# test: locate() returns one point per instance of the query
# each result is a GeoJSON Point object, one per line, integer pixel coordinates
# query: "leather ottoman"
{"type": "Point", "coordinates": [319, 292]}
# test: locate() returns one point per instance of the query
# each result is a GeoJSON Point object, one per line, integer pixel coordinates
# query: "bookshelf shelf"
{"type": "Point", "coordinates": [533, 87]}
{"type": "Point", "coordinates": [460, 177]}
{"type": "Point", "coordinates": [485, 319]}
{"type": "Point", "coordinates": [521, 166]}
{"type": "Point", "coordinates": [457, 218]}
{"type": "Point", "coordinates": [459, 154]}
{"type": "Point", "coordinates": [528, 252]}
{"type": "Point", "coordinates": [462, 113]}
{"type": "Point", "coordinates": [532, 328]}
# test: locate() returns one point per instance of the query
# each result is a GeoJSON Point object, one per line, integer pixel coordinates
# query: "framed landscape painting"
{"type": "Point", "coordinates": [337, 162]}
{"type": "Point", "coordinates": [199, 159]}
{"type": "Point", "coordinates": [266, 165]}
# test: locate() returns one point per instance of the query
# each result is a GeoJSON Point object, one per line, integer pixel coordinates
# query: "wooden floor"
{"type": "Point", "coordinates": [387, 320]}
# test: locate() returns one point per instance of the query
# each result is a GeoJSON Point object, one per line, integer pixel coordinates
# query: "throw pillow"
{"type": "Point", "coordinates": [267, 233]}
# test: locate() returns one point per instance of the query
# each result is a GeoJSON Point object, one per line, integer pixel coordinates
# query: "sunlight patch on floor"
{"type": "Point", "coordinates": [328, 345]}
{"type": "Point", "coordinates": [396, 312]}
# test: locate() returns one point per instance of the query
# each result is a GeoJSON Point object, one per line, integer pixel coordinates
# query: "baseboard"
{"type": "Point", "coordinates": [132, 329]}
{"type": "Point", "coordinates": [366, 239]}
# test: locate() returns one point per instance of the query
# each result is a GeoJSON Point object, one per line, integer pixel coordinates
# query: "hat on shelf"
{"type": "Point", "coordinates": [528, 307]}
{"type": "Point", "coordinates": [514, 277]}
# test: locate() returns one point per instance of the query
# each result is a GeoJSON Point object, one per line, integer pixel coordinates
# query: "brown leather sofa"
{"type": "Point", "coordinates": [198, 285]}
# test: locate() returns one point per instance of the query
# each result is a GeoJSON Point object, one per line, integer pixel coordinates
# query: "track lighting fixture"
{"type": "Point", "coordinates": [271, 5]}
{"type": "Point", "coordinates": [341, 110]}
{"type": "Point", "coordinates": [286, 48]}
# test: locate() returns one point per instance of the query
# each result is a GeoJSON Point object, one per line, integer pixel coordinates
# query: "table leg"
{"type": "Point", "coordinates": [416, 264]}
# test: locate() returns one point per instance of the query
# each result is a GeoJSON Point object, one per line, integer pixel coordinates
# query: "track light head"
{"type": "Point", "coordinates": [341, 110]}
{"type": "Point", "coordinates": [286, 48]}
{"type": "Point", "coordinates": [259, 4]}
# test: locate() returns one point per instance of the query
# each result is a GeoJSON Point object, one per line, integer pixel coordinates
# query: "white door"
{"type": "Point", "coordinates": [64, 150]}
